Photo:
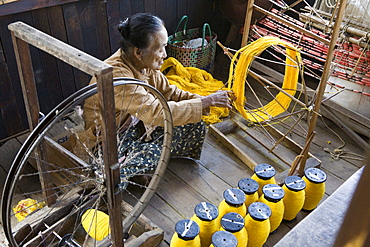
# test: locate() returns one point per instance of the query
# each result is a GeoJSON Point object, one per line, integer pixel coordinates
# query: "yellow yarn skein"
{"type": "Point", "coordinates": [272, 197]}
{"type": "Point", "coordinates": [263, 175]}
{"type": "Point", "coordinates": [257, 224]}
{"type": "Point", "coordinates": [25, 207]}
{"type": "Point", "coordinates": [206, 217]}
{"type": "Point", "coordinates": [234, 223]}
{"type": "Point", "coordinates": [96, 224]}
{"type": "Point", "coordinates": [315, 187]}
{"type": "Point", "coordinates": [196, 81]}
{"type": "Point", "coordinates": [294, 196]}
{"type": "Point", "coordinates": [186, 234]}
{"type": "Point", "coordinates": [233, 201]}
{"type": "Point", "coordinates": [238, 74]}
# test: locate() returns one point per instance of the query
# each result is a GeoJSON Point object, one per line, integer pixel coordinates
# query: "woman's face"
{"type": "Point", "coordinates": [153, 56]}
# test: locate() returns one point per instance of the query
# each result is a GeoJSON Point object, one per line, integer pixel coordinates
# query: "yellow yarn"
{"type": "Point", "coordinates": [249, 199]}
{"type": "Point", "coordinates": [238, 75]}
{"type": "Point", "coordinates": [258, 231]}
{"type": "Point", "coordinates": [196, 81]}
{"type": "Point", "coordinates": [225, 208]}
{"type": "Point", "coordinates": [96, 224]}
{"type": "Point", "coordinates": [178, 242]}
{"type": "Point", "coordinates": [207, 228]}
{"type": "Point", "coordinates": [241, 236]}
{"type": "Point", "coordinates": [277, 212]}
{"type": "Point", "coordinates": [293, 202]}
{"type": "Point", "coordinates": [314, 192]}
{"type": "Point", "coordinates": [25, 207]}
{"type": "Point", "coordinates": [263, 182]}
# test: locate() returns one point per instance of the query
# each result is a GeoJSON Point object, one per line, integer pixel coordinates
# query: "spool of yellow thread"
{"type": "Point", "coordinates": [250, 188]}
{"type": "Point", "coordinates": [294, 197]}
{"type": "Point", "coordinates": [264, 174]}
{"type": "Point", "coordinates": [257, 224]}
{"type": "Point", "coordinates": [272, 196]}
{"type": "Point", "coordinates": [315, 187]}
{"type": "Point", "coordinates": [234, 199]}
{"type": "Point", "coordinates": [205, 215]}
{"type": "Point", "coordinates": [96, 224]}
{"type": "Point", "coordinates": [234, 223]}
{"type": "Point", "coordinates": [186, 234]}
{"type": "Point", "coordinates": [223, 239]}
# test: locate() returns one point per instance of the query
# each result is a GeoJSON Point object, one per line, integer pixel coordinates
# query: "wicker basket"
{"type": "Point", "coordinates": [201, 57]}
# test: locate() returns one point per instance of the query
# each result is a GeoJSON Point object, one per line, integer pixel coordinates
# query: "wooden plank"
{"type": "Point", "coordinates": [137, 6]}
{"type": "Point", "coordinates": [101, 27]}
{"type": "Point", "coordinates": [27, 5]}
{"type": "Point", "coordinates": [113, 20]}
{"type": "Point", "coordinates": [87, 19]}
{"type": "Point", "coordinates": [236, 150]}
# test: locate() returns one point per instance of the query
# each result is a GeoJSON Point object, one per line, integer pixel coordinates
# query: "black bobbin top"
{"type": "Point", "coordinates": [315, 175]}
{"type": "Point", "coordinates": [248, 186]}
{"type": "Point", "coordinates": [273, 192]}
{"type": "Point", "coordinates": [264, 171]}
{"type": "Point", "coordinates": [295, 183]}
{"type": "Point", "coordinates": [259, 211]}
{"type": "Point", "coordinates": [234, 197]}
{"type": "Point", "coordinates": [206, 211]}
{"type": "Point", "coordinates": [224, 239]}
{"type": "Point", "coordinates": [232, 222]}
{"type": "Point", "coordinates": [187, 229]}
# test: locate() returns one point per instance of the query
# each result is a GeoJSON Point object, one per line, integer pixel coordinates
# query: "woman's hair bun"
{"type": "Point", "coordinates": [124, 29]}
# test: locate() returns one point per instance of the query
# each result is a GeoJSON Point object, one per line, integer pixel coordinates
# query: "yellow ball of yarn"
{"type": "Point", "coordinates": [186, 234]}
{"type": "Point", "coordinates": [96, 224]}
{"type": "Point", "coordinates": [234, 223]}
{"type": "Point", "coordinates": [257, 224]}
{"type": "Point", "coordinates": [264, 174]}
{"type": "Point", "coordinates": [294, 196]}
{"type": "Point", "coordinates": [250, 188]}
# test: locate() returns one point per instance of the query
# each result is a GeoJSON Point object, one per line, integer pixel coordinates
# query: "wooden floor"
{"type": "Point", "coordinates": [187, 183]}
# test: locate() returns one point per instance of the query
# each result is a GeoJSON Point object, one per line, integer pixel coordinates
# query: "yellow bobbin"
{"type": "Point", "coordinates": [264, 174]}
{"type": "Point", "coordinates": [257, 224]}
{"type": "Point", "coordinates": [234, 223]}
{"type": "Point", "coordinates": [186, 234]}
{"type": "Point", "coordinates": [315, 187]}
{"type": "Point", "coordinates": [250, 188]}
{"type": "Point", "coordinates": [205, 215]}
{"type": "Point", "coordinates": [96, 224]}
{"type": "Point", "coordinates": [272, 197]}
{"type": "Point", "coordinates": [294, 196]}
{"type": "Point", "coordinates": [224, 239]}
{"type": "Point", "coordinates": [234, 199]}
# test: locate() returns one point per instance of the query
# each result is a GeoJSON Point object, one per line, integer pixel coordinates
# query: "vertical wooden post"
{"type": "Point", "coordinates": [110, 155]}
{"type": "Point", "coordinates": [24, 63]}
{"type": "Point", "coordinates": [324, 78]}
{"type": "Point", "coordinates": [247, 22]}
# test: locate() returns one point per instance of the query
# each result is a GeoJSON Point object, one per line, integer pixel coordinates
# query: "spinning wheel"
{"type": "Point", "coordinates": [64, 182]}
{"type": "Point", "coordinates": [72, 164]}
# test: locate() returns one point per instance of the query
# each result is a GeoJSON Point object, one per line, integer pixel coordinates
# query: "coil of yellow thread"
{"type": "Point", "coordinates": [238, 74]}
{"type": "Point", "coordinates": [223, 239]}
{"type": "Point", "coordinates": [272, 196]}
{"type": "Point", "coordinates": [205, 215]}
{"type": "Point", "coordinates": [294, 197]}
{"type": "Point", "coordinates": [257, 224]}
{"type": "Point", "coordinates": [233, 201]}
{"type": "Point", "coordinates": [250, 188]}
{"type": "Point", "coordinates": [264, 174]}
{"type": "Point", "coordinates": [315, 187]}
{"type": "Point", "coordinates": [186, 234]}
{"type": "Point", "coordinates": [234, 223]}
{"type": "Point", "coordinates": [96, 224]}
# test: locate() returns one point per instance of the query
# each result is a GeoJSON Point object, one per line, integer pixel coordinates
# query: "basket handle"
{"type": "Point", "coordinates": [184, 18]}
{"type": "Point", "coordinates": [206, 25]}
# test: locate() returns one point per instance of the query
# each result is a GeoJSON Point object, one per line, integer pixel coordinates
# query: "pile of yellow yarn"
{"type": "Point", "coordinates": [238, 74]}
{"type": "Point", "coordinates": [196, 81]}
{"type": "Point", "coordinates": [25, 207]}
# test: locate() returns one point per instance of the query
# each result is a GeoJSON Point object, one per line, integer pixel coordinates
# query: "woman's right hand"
{"type": "Point", "coordinates": [221, 98]}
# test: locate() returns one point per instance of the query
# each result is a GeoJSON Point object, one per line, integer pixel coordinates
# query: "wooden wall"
{"type": "Point", "coordinates": [88, 25]}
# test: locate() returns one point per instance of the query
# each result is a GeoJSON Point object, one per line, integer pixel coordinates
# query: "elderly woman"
{"type": "Point", "coordinates": [140, 56]}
